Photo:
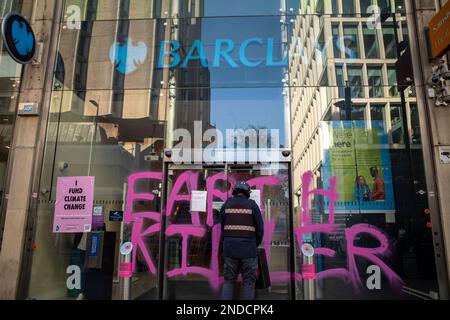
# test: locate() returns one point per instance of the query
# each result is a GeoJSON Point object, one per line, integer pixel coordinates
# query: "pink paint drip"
{"type": "Point", "coordinates": [369, 254]}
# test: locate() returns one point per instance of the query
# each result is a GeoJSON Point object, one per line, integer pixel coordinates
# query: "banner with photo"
{"type": "Point", "coordinates": [359, 157]}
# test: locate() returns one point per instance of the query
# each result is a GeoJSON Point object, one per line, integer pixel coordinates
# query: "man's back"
{"type": "Point", "coordinates": [242, 227]}
{"type": "Point", "coordinates": [242, 231]}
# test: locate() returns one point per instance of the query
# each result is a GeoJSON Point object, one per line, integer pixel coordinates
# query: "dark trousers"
{"type": "Point", "coordinates": [232, 268]}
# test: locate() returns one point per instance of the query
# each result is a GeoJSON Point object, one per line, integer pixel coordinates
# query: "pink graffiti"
{"type": "Point", "coordinates": [138, 219]}
{"type": "Point", "coordinates": [213, 272]}
{"type": "Point", "coordinates": [350, 275]}
{"type": "Point", "coordinates": [140, 230]}
{"type": "Point", "coordinates": [307, 193]}
{"type": "Point", "coordinates": [129, 214]}
{"type": "Point", "coordinates": [369, 253]}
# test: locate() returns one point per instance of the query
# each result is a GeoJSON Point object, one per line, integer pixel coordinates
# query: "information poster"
{"type": "Point", "coordinates": [198, 201]}
{"type": "Point", "coordinates": [360, 160]}
{"type": "Point", "coordinates": [255, 195]}
{"type": "Point", "coordinates": [74, 204]}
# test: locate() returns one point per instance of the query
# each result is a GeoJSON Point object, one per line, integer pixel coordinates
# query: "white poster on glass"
{"type": "Point", "coordinates": [256, 196]}
{"type": "Point", "coordinates": [198, 201]}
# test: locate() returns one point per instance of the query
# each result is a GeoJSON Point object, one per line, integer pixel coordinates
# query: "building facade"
{"type": "Point", "coordinates": [149, 104]}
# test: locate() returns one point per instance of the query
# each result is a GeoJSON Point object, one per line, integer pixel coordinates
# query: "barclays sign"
{"type": "Point", "coordinates": [129, 55]}
{"type": "Point", "coordinates": [18, 38]}
{"type": "Point", "coordinates": [222, 50]}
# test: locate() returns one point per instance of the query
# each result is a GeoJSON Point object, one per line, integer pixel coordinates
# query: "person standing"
{"type": "Point", "coordinates": [361, 189]}
{"type": "Point", "coordinates": [378, 191]}
{"type": "Point", "coordinates": [242, 233]}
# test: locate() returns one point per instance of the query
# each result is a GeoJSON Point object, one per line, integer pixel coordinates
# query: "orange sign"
{"type": "Point", "coordinates": [440, 32]}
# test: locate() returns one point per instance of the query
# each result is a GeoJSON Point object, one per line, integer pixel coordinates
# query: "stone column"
{"type": "Point", "coordinates": [435, 131]}
{"type": "Point", "coordinates": [27, 147]}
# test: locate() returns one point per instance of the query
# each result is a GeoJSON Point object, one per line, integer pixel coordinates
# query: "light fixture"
{"type": "Point", "coordinates": [95, 103]}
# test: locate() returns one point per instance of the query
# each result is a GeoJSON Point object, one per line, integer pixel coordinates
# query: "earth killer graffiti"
{"type": "Point", "coordinates": [148, 223]}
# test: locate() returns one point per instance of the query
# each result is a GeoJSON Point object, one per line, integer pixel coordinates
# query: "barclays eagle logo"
{"type": "Point", "coordinates": [127, 57]}
{"type": "Point", "coordinates": [23, 39]}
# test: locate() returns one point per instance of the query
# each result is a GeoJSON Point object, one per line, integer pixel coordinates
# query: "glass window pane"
{"type": "Point", "coordinates": [335, 7]}
{"type": "Point", "coordinates": [358, 112]}
{"type": "Point", "coordinates": [351, 41]}
{"type": "Point", "coordinates": [340, 81]}
{"type": "Point", "coordinates": [336, 41]}
{"type": "Point", "coordinates": [355, 81]}
{"type": "Point", "coordinates": [348, 7]}
{"type": "Point", "coordinates": [396, 124]}
{"type": "Point", "coordinates": [365, 4]}
{"type": "Point", "coordinates": [415, 124]}
{"type": "Point", "coordinates": [375, 77]}
{"type": "Point", "coordinates": [392, 81]}
{"type": "Point", "coordinates": [371, 44]}
{"type": "Point", "coordinates": [390, 47]}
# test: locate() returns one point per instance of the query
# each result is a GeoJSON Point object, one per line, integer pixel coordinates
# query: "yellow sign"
{"type": "Point", "coordinates": [440, 32]}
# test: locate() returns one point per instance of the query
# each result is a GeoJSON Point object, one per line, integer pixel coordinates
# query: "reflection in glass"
{"type": "Point", "coordinates": [375, 77]}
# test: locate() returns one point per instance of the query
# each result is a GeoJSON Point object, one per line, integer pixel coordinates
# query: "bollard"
{"type": "Point", "coordinates": [125, 271]}
{"type": "Point", "coordinates": [308, 271]}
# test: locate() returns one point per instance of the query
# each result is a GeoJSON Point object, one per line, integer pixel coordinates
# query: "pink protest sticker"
{"type": "Point", "coordinates": [74, 204]}
{"type": "Point", "coordinates": [125, 270]}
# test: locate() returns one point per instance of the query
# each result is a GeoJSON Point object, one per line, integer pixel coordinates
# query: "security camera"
{"type": "Point", "coordinates": [63, 165]}
{"type": "Point", "coordinates": [435, 79]}
{"type": "Point", "coordinates": [168, 154]}
{"type": "Point", "coordinates": [286, 153]}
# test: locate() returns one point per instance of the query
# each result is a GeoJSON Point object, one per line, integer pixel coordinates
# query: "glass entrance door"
{"type": "Point", "coordinates": [193, 263]}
